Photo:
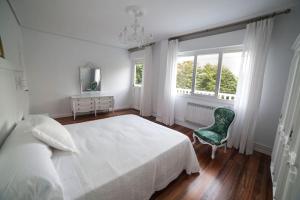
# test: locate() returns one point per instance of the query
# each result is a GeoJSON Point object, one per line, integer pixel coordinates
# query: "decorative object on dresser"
{"type": "Point", "coordinates": [91, 103]}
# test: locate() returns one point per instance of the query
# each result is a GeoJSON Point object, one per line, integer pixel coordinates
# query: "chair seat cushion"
{"type": "Point", "coordinates": [209, 136]}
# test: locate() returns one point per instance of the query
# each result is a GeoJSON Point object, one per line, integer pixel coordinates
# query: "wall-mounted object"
{"type": "Point", "coordinates": [1, 49]}
{"type": "Point", "coordinates": [90, 78]}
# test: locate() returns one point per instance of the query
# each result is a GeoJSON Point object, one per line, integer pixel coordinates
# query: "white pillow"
{"type": "Point", "coordinates": [52, 133]}
{"type": "Point", "coordinates": [27, 171]}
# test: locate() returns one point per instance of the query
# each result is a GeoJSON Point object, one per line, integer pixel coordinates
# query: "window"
{"type": "Point", "coordinates": [213, 73]}
{"type": "Point", "coordinates": [229, 75]}
{"type": "Point", "coordinates": [138, 73]}
{"type": "Point", "coordinates": [184, 77]}
{"type": "Point", "coordinates": [206, 74]}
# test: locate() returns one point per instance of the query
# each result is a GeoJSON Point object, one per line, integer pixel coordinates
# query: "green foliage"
{"type": "Point", "coordinates": [228, 81]}
{"type": "Point", "coordinates": [184, 75]}
{"type": "Point", "coordinates": [138, 74]}
{"type": "Point", "coordinates": [205, 78]}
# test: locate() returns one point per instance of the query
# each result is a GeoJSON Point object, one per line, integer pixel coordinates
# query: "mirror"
{"type": "Point", "coordinates": [90, 78]}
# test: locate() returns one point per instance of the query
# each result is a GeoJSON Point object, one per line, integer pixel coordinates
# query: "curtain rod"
{"type": "Point", "coordinates": [228, 28]}
{"type": "Point", "coordinates": [140, 48]}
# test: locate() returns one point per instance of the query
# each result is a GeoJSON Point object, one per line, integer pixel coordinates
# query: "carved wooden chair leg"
{"type": "Point", "coordinates": [214, 148]}
{"type": "Point", "coordinates": [194, 139]}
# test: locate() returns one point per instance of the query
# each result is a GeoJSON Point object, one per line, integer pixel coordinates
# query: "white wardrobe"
{"type": "Point", "coordinates": [285, 163]}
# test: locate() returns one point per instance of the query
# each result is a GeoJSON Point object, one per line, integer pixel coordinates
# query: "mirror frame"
{"type": "Point", "coordinates": [89, 66]}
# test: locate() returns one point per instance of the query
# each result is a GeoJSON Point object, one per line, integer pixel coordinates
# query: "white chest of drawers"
{"type": "Point", "coordinates": [91, 103]}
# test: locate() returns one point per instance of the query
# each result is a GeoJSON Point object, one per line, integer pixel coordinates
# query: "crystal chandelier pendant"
{"type": "Point", "coordinates": [135, 34]}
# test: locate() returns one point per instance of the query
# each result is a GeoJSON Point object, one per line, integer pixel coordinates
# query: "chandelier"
{"type": "Point", "coordinates": [134, 34]}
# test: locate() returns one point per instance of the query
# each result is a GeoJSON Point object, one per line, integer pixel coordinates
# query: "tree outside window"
{"type": "Point", "coordinates": [185, 73]}
{"type": "Point", "coordinates": [138, 74]}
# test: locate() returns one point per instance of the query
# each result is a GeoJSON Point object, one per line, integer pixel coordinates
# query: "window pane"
{"type": "Point", "coordinates": [229, 77]}
{"type": "Point", "coordinates": [206, 74]}
{"type": "Point", "coordinates": [184, 77]}
{"type": "Point", "coordinates": [138, 74]}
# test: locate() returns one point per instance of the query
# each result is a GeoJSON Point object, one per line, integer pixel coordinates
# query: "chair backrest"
{"type": "Point", "coordinates": [223, 119]}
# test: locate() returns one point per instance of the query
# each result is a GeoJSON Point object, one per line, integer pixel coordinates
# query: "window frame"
{"type": "Point", "coordinates": [137, 62]}
{"type": "Point", "coordinates": [220, 51]}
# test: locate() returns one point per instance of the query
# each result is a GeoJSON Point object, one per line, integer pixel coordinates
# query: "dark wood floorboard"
{"type": "Point", "coordinates": [230, 176]}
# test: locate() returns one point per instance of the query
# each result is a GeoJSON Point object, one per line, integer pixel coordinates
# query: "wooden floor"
{"type": "Point", "coordinates": [229, 176]}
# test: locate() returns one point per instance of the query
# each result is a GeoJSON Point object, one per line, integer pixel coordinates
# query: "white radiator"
{"type": "Point", "coordinates": [199, 114]}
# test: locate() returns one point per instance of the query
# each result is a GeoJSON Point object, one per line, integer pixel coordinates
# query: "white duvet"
{"type": "Point", "coordinates": [124, 157]}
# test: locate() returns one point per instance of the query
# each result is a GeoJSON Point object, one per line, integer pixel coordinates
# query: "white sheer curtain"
{"type": "Point", "coordinates": [165, 107]}
{"type": "Point", "coordinates": [146, 90]}
{"type": "Point", "coordinates": [249, 89]}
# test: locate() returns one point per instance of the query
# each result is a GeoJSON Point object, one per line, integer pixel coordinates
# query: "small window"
{"type": "Point", "coordinates": [210, 73]}
{"type": "Point", "coordinates": [138, 74]}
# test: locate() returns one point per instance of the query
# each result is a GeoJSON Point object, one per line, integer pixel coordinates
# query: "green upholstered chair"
{"type": "Point", "coordinates": [216, 135]}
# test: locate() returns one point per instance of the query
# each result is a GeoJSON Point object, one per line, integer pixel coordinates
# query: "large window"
{"type": "Point", "coordinates": [138, 73]}
{"type": "Point", "coordinates": [213, 73]}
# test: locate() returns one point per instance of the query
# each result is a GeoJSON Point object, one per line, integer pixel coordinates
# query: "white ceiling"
{"type": "Point", "coordinates": [101, 21]}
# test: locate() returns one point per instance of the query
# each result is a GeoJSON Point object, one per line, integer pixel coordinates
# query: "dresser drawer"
{"type": "Point", "coordinates": [104, 99]}
{"type": "Point", "coordinates": [84, 109]}
{"type": "Point", "coordinates": [84, 100]}
{"type": "Point", "coordinates": [104, 106]}
{"type": "Point", "coordinates": [110, 102]}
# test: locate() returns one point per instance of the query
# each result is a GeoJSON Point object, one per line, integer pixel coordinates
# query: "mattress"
{"type": "Point", "coordinates": [124, 157]}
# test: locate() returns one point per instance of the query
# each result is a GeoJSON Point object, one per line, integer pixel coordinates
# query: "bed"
{"type": "Point", "coordinates": [124, 157]}
{"type": "Point", "coordinates": [118, 158]}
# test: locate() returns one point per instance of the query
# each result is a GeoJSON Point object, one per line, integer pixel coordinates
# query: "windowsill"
{"type": "Point", "coordinates": [212, 99]}
{"type": "Point", "coordinates": [138, 86]}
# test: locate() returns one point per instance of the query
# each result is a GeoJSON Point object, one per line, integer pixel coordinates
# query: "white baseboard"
{"type": "Point", "coordinates": [263, 149]}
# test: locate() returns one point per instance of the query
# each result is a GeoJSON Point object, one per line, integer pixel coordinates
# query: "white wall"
{"type": "Point", "coordinates": [53, 71]}
{"type": "Point", "coordinates": [285, 31]}
{"type": "Point", "coordinates": [13, 101]}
